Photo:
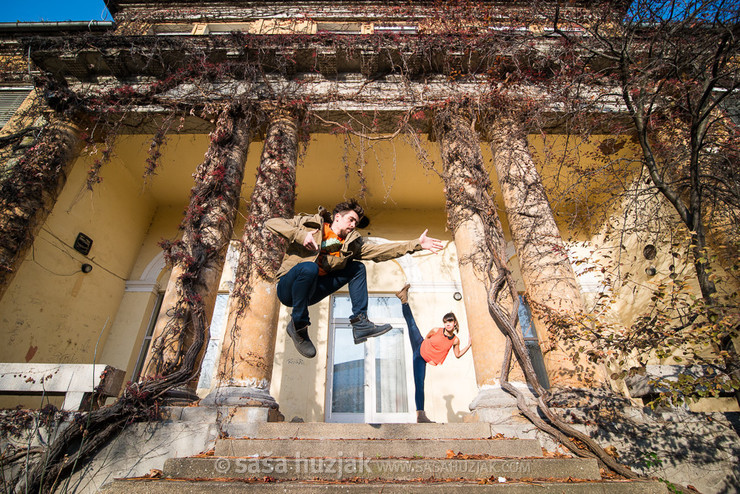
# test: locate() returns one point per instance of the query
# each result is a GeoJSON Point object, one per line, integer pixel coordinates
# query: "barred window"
{"type": "Point", "coordinates": [339, 27]}
{"type": "Point", "coordinates": [397, 29]}
{"type": "Point", "coordinates": [10, 100]}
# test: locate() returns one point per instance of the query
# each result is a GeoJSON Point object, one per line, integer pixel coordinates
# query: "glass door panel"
{"type": "Point", "coordinates": [369, 381]}
{"type": "Point", "coordinates": [348, 376]}
{"type": "Point", "coordinates": [390, 373]}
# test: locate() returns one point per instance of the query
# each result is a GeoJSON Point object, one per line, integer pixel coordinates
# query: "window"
{"type": "Point", "coordinates": [147, 338]}
{"type": "Point", "coordinates": [172, 29]}
{"type": "Point", "coordinates": [339, 27]}
{"type": "Point", "coordinates": [533, 344]}
{"type": "Point", "coordinates": [369, 382]}
{"type": "Point", "coordinates": [10, 100]}
{"type": "Point", "coordinates": [396, 29]}
{"type": "Point", "coordinates": [224, 28]}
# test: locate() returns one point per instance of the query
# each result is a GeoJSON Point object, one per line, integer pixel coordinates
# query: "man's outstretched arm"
{"type": "Point", "coordinates": [392, 250]}
{"type": "Point", "coordinates": [429, 243]}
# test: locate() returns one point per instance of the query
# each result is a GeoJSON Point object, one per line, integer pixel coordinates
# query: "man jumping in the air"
{"type": "Point", "coordinates": [323, 256]}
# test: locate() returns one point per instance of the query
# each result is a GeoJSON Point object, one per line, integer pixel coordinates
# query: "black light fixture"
{"type": "Point", "coordinates": [86, 268]}
{"type": "Point", "coordinates": [457, 296]}
{"type": "Point", "coordinates": [651, 271]}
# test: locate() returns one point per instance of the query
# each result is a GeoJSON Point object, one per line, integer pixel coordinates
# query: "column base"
{"type": "Point", "coordinates": [179, 396]}
{"type": "Point", "coordinates": [239, 396]}
{"type": "Point", "coordinates": [493, 404]}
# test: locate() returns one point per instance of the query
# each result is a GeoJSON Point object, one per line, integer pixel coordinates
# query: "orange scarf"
{"type": "Point", "coordinates": [331, 244]}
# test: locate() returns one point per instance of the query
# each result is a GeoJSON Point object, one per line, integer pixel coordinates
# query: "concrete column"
{"type": "Point", "coordinates": [546, 270]}
{"type": "Point", "coordinates": [245, 367]}
{"type": "Point", "coordinates": [199, 257]}
{"type": "Point", "coordinates": [471, 216]}
{"type": "Point", "coordinates": [31, 185]}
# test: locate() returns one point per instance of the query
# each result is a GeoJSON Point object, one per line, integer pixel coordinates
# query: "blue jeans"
{"type": "Point", "coordinates": [302, 286]}
{"type": "Point", "coordinates": [418, 362]}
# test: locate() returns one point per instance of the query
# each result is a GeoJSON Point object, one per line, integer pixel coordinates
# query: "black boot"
{"type": "Point", "coordinates": [301, 341]}
{"type": "Point", "coordinates": [363, 328]}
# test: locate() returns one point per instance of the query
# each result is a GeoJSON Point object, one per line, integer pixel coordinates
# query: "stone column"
{"type": "Point", "coordinates": [29, 189]}
{"type": "Point", "coordinates": [471, 216]}
{"type": "Point", "coordinates": [546, 270]}
{"type": "Point", "coordinates": [245, 367]}
{"type": "Point", "coordinates": [199, 256]}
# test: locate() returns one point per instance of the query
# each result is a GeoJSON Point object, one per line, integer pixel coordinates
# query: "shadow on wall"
{"type": "Point", "coordinates": [452, 415]}
{"type": "Point", "coordinates": [682, 447]}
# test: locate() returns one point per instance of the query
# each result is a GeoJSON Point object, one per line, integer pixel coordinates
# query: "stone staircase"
{"type": "Point", "coordinates": [364, 458]}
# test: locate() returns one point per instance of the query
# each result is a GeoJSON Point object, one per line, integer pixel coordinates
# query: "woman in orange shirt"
{"type": "Point", "coordinates": [430, 350]}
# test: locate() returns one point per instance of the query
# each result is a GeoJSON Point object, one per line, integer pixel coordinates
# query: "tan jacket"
{"type": "Point", "coordinates": [354, 247]}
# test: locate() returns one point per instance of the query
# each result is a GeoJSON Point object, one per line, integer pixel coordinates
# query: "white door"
{"type": "Point", "coordinates": [371, 382]}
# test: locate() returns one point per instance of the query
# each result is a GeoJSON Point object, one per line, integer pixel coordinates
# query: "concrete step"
{"type": "Point", "coordinates": [399, 448]}
{"type": "Point", "coordinates": [323, 430]}
{"type": "Point", "coordinates": [387, 469]}
{"type": "Point", "coordinates": [164, 486]}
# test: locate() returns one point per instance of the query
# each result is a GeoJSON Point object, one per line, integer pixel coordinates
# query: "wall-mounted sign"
{"type": "Point", "coordinates": [83, 243]}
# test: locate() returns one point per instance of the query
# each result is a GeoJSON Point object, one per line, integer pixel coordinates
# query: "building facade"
{"type": "Point", "coordinates": [189, 124]}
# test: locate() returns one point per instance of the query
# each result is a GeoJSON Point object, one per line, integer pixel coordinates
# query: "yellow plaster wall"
{"type": "Point", "coordinates": [133, 317]}
{"type": "Point", "coordinates": [579, 177]}
{"type": "Point", "coordinates": [52, 311]}
{"type": "Point", "coordinates": [622, 258]}
{"type": "Point", "coordinates": [128, 330]}
{"type": "Point", "coordinates": [610, 237]}
{"type": "Point", "coordinates": [164, 226]}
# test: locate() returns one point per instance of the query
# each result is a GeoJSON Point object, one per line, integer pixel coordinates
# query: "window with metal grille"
{"type": "Point", "coordinates": [397, 29]}
{"type": "Point", "coordinates": [10, 100]}
{"type": "Point", "coordinates": [339, 27]}
{"type": "Point", "coordinates": [172, 29]}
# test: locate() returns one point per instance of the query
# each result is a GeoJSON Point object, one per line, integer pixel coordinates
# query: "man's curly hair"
{"type": "Point", "coordinates": [349, 205]}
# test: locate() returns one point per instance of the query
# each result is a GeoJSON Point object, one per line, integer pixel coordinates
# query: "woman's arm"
{"type": "Point", "coordinates": [456, 346]}
{"type": "Point", "coordinates": [431, 333]}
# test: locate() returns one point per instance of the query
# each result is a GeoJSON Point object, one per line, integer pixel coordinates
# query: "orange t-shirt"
{"type": "Point", "coordinates": [331, 244]}
{"type": "Point", "coordinates": [435, 348]}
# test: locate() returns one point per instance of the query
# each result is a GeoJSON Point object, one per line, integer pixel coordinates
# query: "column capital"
{"type": "Point", "coordinates": [506, 124]}
{"type": "Point", "coordinates": [277, 113]}
{"type": "Point", "coordinates": [454, 110]}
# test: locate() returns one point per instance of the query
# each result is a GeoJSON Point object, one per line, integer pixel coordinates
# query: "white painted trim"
{"type": "Point", "coordinates": [148, 280]}
{"type": "Point", "coordinates": [142, 286]}
{"type": "Point", "coordinates": [151, 272]}
{"type": "Point", "coordinates": [436, 287]}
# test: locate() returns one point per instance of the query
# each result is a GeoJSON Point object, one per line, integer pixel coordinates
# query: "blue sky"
{"type": "Point", "coordinates": [53, 10]}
